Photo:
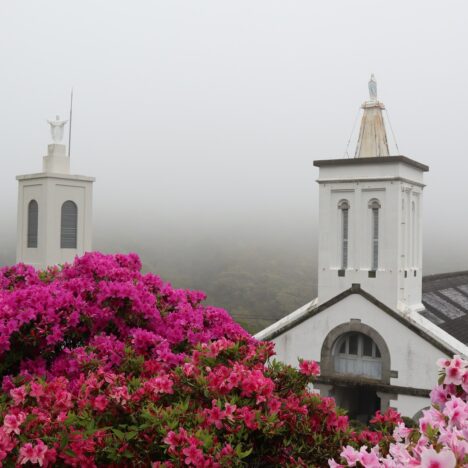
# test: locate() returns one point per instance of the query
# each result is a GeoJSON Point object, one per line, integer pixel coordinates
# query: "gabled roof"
{"type": "Point", "coordinates": [413, 320]}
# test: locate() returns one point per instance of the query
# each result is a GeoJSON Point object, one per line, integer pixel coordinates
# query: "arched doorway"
{"type": "Point", "coordinates": [355, 360]}
{"type": "Point", "coordinates": [356, 354]}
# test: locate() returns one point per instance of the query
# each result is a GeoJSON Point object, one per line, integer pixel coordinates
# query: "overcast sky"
{"type": "Point", "coordinates": [198, 114]}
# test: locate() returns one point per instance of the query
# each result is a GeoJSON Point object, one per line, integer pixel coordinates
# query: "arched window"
{"type": "Point", "coordinates": [374, 205]}
{"type": "Point", "coordinates": [68, 225]}
{"type": "Point", "coordinates": [343, 206]}
{"type": "Point", "coordinates": [357, 354]}
{"type": "Point", "coordinates": [33, 221]}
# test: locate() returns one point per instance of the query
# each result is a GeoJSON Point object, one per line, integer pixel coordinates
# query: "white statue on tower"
{"type": "Point", "coordinates": [56, 129]}
{"type": "Point", "coordinates": [373, 88]}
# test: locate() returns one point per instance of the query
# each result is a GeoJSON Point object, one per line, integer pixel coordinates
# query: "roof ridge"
{"type": "Point", "coordinates": [444, 275]}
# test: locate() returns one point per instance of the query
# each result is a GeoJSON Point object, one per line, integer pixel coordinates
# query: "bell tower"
{"type": "Point", "coordinates": [54, 208]}
{"type": "Point", "coordinates": [370, 218]}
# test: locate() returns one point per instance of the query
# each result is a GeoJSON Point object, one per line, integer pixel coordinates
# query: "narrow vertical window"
{"type": "Point", "coordinates": [374, 205]}
{"type": "Point", "coordinates": [403, 234]}
{"type": "Point", "coordinates": [414, 235]}
{"type": "Point", "coordinates": [68, 225]}
{"type": "Point", "coordinates": [344, 207]}
{"type": "Point", "coordinates": [33, 220]}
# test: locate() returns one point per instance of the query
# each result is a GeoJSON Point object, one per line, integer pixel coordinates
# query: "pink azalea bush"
{"type": "Point", "coordinates": [102, 365]}
{"type": "Point", "coordinates": [440, 441]}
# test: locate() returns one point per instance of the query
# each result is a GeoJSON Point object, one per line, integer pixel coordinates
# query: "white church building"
{"type": "Point", "coordinates": [375, 334]}
{"type": "Point", "coordinates": [54, 209]}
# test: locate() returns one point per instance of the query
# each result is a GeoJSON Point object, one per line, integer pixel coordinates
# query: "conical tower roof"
{"type": "Point", "coordinates": [372, 140]}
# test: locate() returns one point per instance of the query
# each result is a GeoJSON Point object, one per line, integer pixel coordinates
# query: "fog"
{"type": "Point", "coordinates": [201, 120]}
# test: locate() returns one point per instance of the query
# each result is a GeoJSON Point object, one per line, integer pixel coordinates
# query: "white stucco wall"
{"type": "Point", "coordinates": [51, 191]}
{"type": "Point", "coordinates": [411, 356]}
{"type": "Point", "coordinates": [398, 187]}
{"type": "Point", "coordinates": [407, 403]}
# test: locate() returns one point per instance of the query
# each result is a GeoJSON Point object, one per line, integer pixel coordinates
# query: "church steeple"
{"type": "Point", "coordinates": [372, 140]}
{"type": "Point", "coordinates": [370, 219]}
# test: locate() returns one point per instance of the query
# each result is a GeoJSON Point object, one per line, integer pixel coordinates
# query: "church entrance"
{"type": "Point", "coordinates": [361, 402]}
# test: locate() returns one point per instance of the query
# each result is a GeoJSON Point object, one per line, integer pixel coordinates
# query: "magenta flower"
{"type": "Point", "coordinates": [193, 455]}
{"type": "Point", "coordinates": [100, 402]}
{"type": "Point", "coordinates": [309, 367]}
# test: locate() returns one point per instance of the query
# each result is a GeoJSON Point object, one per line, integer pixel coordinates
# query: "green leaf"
{"type": "Point", "coordinates": [64, 441]}
{"type": "Point", "coordinates": [120, 435]}
{"type": "Point", "coordinates": [131, 435]}
{"type": "Point", "coordinates": [242, 454]}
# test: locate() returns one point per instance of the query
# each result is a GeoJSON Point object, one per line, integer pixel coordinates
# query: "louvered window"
{"type": "Point", "coordinates": [68, 225]}
{"type": "Point", "coordinates": [344, 207]}
{"type": "Point", "coordinates": [375, 207]}
{"type": "Point", "coordinates": [33, 221]}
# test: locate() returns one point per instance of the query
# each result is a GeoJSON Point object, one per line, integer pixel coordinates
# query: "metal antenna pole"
{"type": "Point", "coordinates": [391, 129]}
{"type": "Point", "coordinates": [70, 124]}
{"type": "Point", "coordinates": [352, 133]}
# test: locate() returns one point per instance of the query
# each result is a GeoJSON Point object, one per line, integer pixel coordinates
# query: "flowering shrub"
{"type": "Point", "coordinates": [440, 441]}
{"type": "Point", "coordinates": [104, 366]}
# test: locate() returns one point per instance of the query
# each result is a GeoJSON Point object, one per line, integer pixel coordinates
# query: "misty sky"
{"type": "Point", "coordinates": [205, 116]}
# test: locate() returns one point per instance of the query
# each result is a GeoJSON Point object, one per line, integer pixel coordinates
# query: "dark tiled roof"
{"type": "Point", "coordinates": [445, 298]}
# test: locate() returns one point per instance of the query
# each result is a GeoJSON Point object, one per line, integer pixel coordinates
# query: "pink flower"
{"type": "Point", "coordinates": [333, 464]}
{"type": "Point", "coordinates": [33, 454]}
{"type": "Point", "coordinates": [163, 384]}
{"type": "Point", "coordinates": [100, 402]}
{"type": "Point", "coordinates": [190, 370]}
{"type": "Point", "coordinates": [368, 459]}
{"type": "Point", "coordinates": [453, 375]}
{"type": "Point", "coordinates": [37, 390]}
{"type": "Point", "coordinates": [12, 422]}
{"type": "Point", "coordinates": [120, 395]}
{"type": "Point", "coordinates": [174, 440]}
{"type": "Point", "coordinates": [350, 455]}
{"type": "Point", "coordinates": [274, 405]}
{"type": "Point", "coordinates": [439, 395]}
{"type": "Point", "coordinates": [227, 451]}
{"type": "Point", "coordinates": [401, 432]}
{"type": "Point", "coordinates": [249, 417]}
{"type": "Point", "coordinates": [193, 455]}
{"type": "Point", "coordinates": [309, 367]}
{"type": "Point", "coordinates": [443, 362]}
{"type": "Point", "coordinates": [431, 459]}
{"type": "Point", "coordinates": [214, 415]}
{"type": "Point", "coordinates": [229, 411]}
{"type": "Point", "coordinates": [18, 394]}
{"type": "Point", "coordinates": [457, 410]}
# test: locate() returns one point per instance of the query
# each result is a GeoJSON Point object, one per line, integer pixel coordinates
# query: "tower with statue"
{"type": "Point", "coordinates": [54, 208]}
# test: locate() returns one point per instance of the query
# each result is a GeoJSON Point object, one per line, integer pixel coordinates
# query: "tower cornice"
{"type": "Point", "coordinates": [369, 161]}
